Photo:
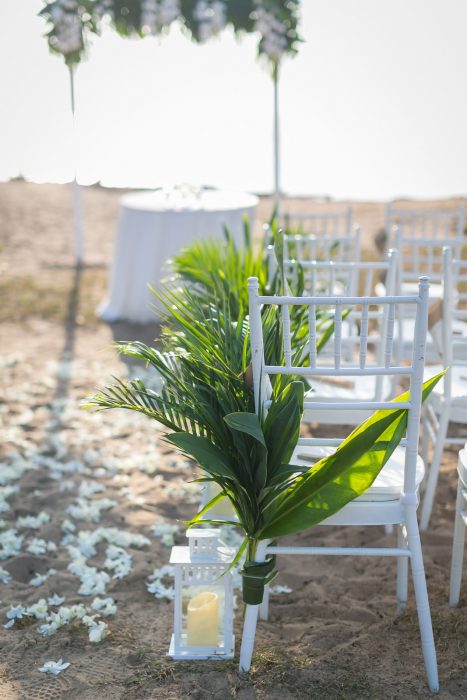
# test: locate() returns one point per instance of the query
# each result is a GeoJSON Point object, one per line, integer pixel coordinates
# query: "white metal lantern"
{"type": "Point", "coordinates": [203, 606]}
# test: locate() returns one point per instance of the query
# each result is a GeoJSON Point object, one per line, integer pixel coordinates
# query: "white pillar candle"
{"type": "Point", "coordinates": [202, 615]}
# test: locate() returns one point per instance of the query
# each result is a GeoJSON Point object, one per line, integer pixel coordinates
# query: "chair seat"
{"type": "Point", "coordinates": [387, 486]}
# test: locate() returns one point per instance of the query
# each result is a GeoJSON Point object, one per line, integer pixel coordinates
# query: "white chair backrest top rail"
{"type": "Point", "coordinates": [348, 278]}
{"type": "Point", "coordinates": [363, 364]}
{"type": "Point", "coordinates": [426, 223]}
{"type": "Point", "coordinates": [328, 223]}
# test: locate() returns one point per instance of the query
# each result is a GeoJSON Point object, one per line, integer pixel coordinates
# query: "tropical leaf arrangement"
{"type": "Point", "coordinates": [206, 401]}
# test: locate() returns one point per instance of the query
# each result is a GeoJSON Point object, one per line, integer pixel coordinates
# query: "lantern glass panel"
{"type": "Point", "coordinates": [203, 610]}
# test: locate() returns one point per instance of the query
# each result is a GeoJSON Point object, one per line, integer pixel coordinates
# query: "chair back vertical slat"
{"type": "Point", "coordinates": [312, 335]}
{"type": "Point", "coordinates": [337, 334]}
{"type": "Point", "coordinates": [363, 336]}
{"type": "Point", "coordinates": [388, 349]}
{"type": "Point", "coordinates": [448, 314]}
{"type": "Point", "coordinates": [256, 341]}
{"type": "Point", "coordinates": [416, 384]}
{"type": "Point", "coordinates": [287, 335]}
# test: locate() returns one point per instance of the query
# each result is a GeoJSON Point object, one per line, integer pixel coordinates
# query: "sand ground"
{"type": "Point", "coordinates": [335, 636]}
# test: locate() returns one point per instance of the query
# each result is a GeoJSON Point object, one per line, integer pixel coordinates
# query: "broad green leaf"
{"type": "Point", "coordinates": [281, 426]}
{"type": "Point", "coordinates": [349, 471]}
{"type": "Point", "coordinates": [207, 455]}
{"type": "Point", "coordinates": [246, 423]}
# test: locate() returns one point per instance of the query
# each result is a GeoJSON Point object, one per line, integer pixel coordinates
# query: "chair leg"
{"type": "Point", "coordinates": [457, 551]}
{"type": "Point", "coordinates": [433, 473]}
{"type": "Point", "coordinates": [264, 607]}
{"type": "Point", "coordinates": [421, 597]}
{"type": "Point", "coordinates": [248, 637]}
{"type": "Point", "coordinates": [402, 572]}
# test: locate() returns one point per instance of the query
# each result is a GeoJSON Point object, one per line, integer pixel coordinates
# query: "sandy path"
{"type": "Point", "coordinates": [335, 636]}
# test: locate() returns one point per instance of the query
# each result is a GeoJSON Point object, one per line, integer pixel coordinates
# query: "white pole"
{"type": "Point", "coordinates": [277, 189]}
{"type": "Point", "coordinates": [77, 208]}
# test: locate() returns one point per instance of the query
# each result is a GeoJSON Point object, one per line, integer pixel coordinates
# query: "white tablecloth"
{"type": "Point", "coordinates": [153, 227]}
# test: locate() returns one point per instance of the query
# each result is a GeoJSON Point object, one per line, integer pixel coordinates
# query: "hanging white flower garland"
{"type": "Point", "coordinates": [71, 21]}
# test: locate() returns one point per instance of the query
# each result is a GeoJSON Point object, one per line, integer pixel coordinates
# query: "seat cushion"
{"type": "Point", "coordinates": [387, 486]}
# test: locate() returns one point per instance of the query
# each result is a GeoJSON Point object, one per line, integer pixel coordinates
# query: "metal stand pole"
{"type": "Point", "coordinates": [77, 206]}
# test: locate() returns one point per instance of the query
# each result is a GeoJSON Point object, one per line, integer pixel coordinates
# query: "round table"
{"type": "Point", "coordinates": [153, 227]}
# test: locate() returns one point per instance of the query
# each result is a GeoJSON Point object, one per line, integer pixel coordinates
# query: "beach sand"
{"type": "Point", "coordinates": [335, 636]}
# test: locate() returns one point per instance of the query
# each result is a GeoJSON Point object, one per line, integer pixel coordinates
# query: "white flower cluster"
{"type": "Point", "coordinates": [165, 531]}
{"type": "Point", "coordinates": [156, 14]}
{"type": "Point", "coordinates": [84, 509]}
{"type": "Point", "coordinates": [157, 587]}
{"type": "Point", "coordinates": [83, 546]}
{"type": "Point", "coordinates": [118, 561]}
{"type": "Point", "coordinates": [33, 522]}
{"type": "Point", "coordinates": [68, 30]}
{"type": "Point", "coordinates": [274, 34]}
{"type": "Point", "coordinates": [39, 546]}
{"type": "Point", "coordinates": [10, 544]}
{"type": "Point", "coordinates": [14, 470]}
{"type": "Point", "coordinates": [211, 18]}
{"type": "Point", "coordinates": [6, 492]}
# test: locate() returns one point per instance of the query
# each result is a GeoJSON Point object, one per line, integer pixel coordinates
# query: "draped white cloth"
{"type": "Point", "coordinates": [153, 227]}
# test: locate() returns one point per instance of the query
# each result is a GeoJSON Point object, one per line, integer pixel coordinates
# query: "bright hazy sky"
{"type": "Point", "coordinates": [374, 106]}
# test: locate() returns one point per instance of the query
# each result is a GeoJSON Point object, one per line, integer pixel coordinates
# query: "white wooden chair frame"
{"type": "Point", "coordinates": [322, 224]}
{"type": "Point", "coordinates": [403, 510]}
{"type": "Point", "coordinates": [443, 407]}
{"type": "Point", "coordinates": [426, 223]}
{"type": "Point", "coordinates": [348, 279]}
{"type": "Point", "coordinates": [460, 523]}
{"type": "Point", "coordinates": [419, 256]}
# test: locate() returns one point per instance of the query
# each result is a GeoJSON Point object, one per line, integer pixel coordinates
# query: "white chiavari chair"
{"type": "Point", "coordinates": [393, 497]}
{"type": "Point", "coordinates": [431, 224]}
{"type": "Point", "coordinates": [460, 523]}
{"type": "Point", "coordinates": [448, 402]}
{"type": "Point", "coordinates": [320, 224]}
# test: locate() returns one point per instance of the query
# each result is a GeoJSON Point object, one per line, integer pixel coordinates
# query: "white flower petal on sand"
{"type": "Point", "coordinates": [55, 599]}
{"type": "Point", "coordinates": [16, 612]}
{"type": "Point", "coordinates": [68, 526]}
{"type": "Point", "coordinates": [9, 624]}
{"type": "Point", "coordinates": [33, 522]}
{"type": "Point", "coordinates": [279, 590]}
{"type": "Point", "coordinates": [38, 610]}
{"type": "Point", "coordinates": [40, 546]}
{"type": "Point", "coordinates": [10, 544]}
{"type": "Point", "coordinates": [98, 631]}
{"type": "Point", "coordinates": [39, 579]}
{"type": "Point", "coordinates": [5, 576]}
{"type": "Point", "coordinates": [54, 667]}
{"type": "Point", "coordinates": [104, 606]}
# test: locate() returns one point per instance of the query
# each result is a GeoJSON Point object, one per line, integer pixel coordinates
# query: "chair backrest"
{"type": "Point", "coordinates": [315, 247]}
{"type": "Point", "coordinates": [329, 223]}
{"type": "Point", "coordinates": [348, 278]}
{"type": "Point", "coordinates": [423, 256]}
{"type": "Point", "coordinates": [453, 345]}
{"type": "Point", "coordinates": [426, 223]}
{"type": "Point", "coordinates": [364, 364]}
